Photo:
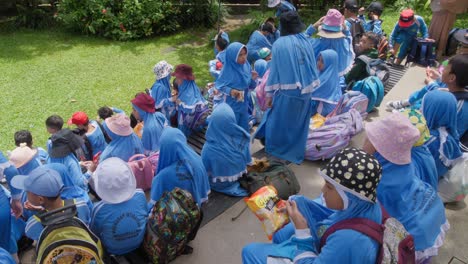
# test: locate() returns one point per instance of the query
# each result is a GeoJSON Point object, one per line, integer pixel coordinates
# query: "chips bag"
{"type": "Point", "coordinates": [265, 204]}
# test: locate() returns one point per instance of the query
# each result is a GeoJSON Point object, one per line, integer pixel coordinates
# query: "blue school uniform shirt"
{"type": "Point", "coordinates": [5, 257]}
{"type": "Point", "coordinates": [371, 25]}
{"type": "Point", "coordinates": [34, 227]}
{"type": "Point", "coordinates": [179, 166]}
{"type": "Point", "coordinates": [440, 110]}
{"type": "Point", "coordinates": [121, 227]}
{"type": "Point", "coordinates": [400, 35]}
{"type": "Point", "coordinates": [154, 124]}
{"type": "Point", "coordinates": [425, 166]}
{"type": "Point", "coordinates": [256, 42]}
{"type": "Point", "coordinates": [75, 175]}
{"type": "Point", "coordinates": [416, 97]}
{"type": "Point", "coordinates": [412, 202]}
{"type": "Point", "coordinates": [226, 152]}
{"type": "Point", "coordinates": [122, 147]}
{"type": "Point", "coordinates": [96, 138]}
{"type": "Point", "coordinates": [344, 246]}
{"type": "Point", "coordinates": [329, 92]}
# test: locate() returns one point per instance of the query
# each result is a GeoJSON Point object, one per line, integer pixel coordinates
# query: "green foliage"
{"type": "Point", "coordinates": [419, 5]}
{"type": "Point", "coordinates": [133, 19]}
{"type": "Point", "coordinates": [34, 13]}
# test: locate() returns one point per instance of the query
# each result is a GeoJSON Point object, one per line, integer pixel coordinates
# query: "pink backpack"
{"type": "Point", "coordinates": [324, 142]}
{"type": "Point", "coordinates": [143, 170]}
{"type": "Point", "coordinates": [351, 100]}
{"type": "Point", "coordinates": [260, 91]}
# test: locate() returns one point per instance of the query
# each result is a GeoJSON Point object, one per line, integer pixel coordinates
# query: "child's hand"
{"type": "Point", "coordinates": [319, 22]}
{"type": "Point", "coordinates": [32, 207]}
{"type": "Point", "coordinates": [91, 166]}
{"type": "Point", "coordinates": [254, 75]}
{"type": "Point", "coordinates": [392, 51]}
{"type": "Point", "coordinates": [16, 207]}
{"type": "Point", "coordinates": [268, 102]}
{"type": "Point", "coordinates": [296, 217]}
{"type": "Point", "coordinates": [432, 73]}
{"type": "Point", "coordinates": [375, 17]}
{"type": "Point", "coordinates": [361, 11]}
{"type": "Point", "coordinates": [236, 93]}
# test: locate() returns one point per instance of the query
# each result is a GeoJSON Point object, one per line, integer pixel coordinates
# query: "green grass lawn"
{"type": "Point", "coordinates": [51, 72]}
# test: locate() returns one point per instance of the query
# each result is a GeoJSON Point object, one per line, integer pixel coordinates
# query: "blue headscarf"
{"type": "Point", "coordinates": [190, 95]}
{"type": "Point", "coordinates": [425, 166]}
{"type": "Point", "coordinates": [293, 65]}
{"type": "Point", "coordinates": [152, 129]}
{"type": "Point", "coordinates": [329, 90]}
{"type": "Point", "coordinates": [440, 110]}
{"type": "Point", "coordinates": [179, 166]}
{"type": "Point", "coordinates": [341, 46]}
{"type": "Point", "coordinates": [71, 189]}
{"type": "Point", "coordinates": [414, 203]}
{"type": "Point", "coordinates": [74, 170]}
{"type": "Point", "coordinates": [96, 138]}
{"type": "Point", "coordinates": [257, 41]}
{"type": "Point", "coordinates": [226, 152]}
{"type": "Point", "coordinates": [261, 67]}
{"type": "Point", "coordinates": [122, 147]}
{"type": "Point", "coordinates": [234, 75]}
{"type": "Point", "coordinates": [161, 90]}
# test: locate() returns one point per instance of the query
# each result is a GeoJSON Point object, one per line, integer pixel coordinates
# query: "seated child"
{"type": "Point", "coordinates": [405, 197]}
{"type": "Point", "coordinates": [43, 187]}
{"type": "Point", "coordinates": [348, 193]}
{"type": "Point", "coordinates": [367, 46]}
{"type": "Point", "coordinates": [179, 166]}
{"type": "Point", "coordinates": [329, 92]}
{"type": "Point", "coordinates": [374, 11]}
{"type": "Point", "coordinates": [24, 158]}
{"type": "Point", "coordinates": [120, 218]}
{"type": "Point", "coordinates": [24, 136]}
{"type": "Point", "coordinates": [226, 152]}
{"type": "Point", "coordinates": [333, 36]}
{"type": "Point", "coordinates": [105, 112]}
{"type": "Point", "coordinates": [276, 33]}
{"type": "Point", "coordinates": [259, 40]}
{"type": "Point", "coordinates": [161, 89]}
{"type": "Point", "coordinates": [405, 32]}
{"type": "Point", "coordinates": [54, 123]}
{"type": "Point", "coordinates": [92, 130]}
{"type": "Point", "coordinates": [154, 122]}
{"type": "Point", "coordinates": [192, 108]}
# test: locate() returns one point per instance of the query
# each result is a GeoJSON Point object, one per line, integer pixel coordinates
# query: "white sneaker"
{"type": "Point", "coordinates": [396, 105]}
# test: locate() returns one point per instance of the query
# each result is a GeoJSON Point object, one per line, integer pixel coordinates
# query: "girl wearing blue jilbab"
{"type": "Point", "coordinates": [161, 89]}
{"type": "Point", "coordinates": [235, 80]}
{"type": "Point", "coordinates": [124, 142]}
{"type": "Point", "coordinates": [413, 202]}
{"type": "Point", "coordinates": [310, 220]}
{"type": "Point", "coordinates": [226, 152]}
{"type": "Point", "coordinates": [259, 40]}
{"type": "Point", "coordinates": [179, 166]}
{"type": "Point", "coordinates": [154, 122]}
{"type": "Point", "coordinates": [293, 77]}
{"type": "Point", "coordinates": [192, 107]}
{"type": "Point", "coordinates": [440, 110]}
{"type": "Point", "coordinates": [329, 92]}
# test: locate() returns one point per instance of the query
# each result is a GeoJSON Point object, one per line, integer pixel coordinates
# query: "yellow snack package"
{"type": "Point", "coordinates": [265, 204]}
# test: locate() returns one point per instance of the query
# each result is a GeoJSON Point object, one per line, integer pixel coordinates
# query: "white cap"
{"type": "Point", "coordinates": [273, 3]}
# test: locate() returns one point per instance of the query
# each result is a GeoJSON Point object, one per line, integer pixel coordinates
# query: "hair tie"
{"type": "Point", "coordinates": [23, 144]}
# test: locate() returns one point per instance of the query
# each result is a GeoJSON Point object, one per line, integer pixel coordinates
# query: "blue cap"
{"type": "Point", "coordinates": [41, 181]}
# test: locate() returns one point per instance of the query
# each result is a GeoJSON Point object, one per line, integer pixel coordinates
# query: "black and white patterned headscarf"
{"type": "Point", "coordinates": [353, 170]}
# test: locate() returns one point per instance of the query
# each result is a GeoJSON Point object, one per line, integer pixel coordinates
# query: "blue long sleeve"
{"type": "Point", "coordinates": [393, 35]}
{"type": "Point", "coordinates": [372, 25]}
{"type": "Point", "coordinates": [422, 27]}
{"type": "Point", "coordinates": [418, 95]}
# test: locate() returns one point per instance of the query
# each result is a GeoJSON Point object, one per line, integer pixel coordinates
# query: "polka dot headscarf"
{"type": "Point", "coordinates": [353, 170]}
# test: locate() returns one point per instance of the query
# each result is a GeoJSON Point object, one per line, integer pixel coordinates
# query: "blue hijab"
{"type": "Point", "coordinates": [179, 166]}
{"type": "Point", "coordinates": [414, 203]}
{"type": "Point", "coordinates": [341, 46]}
{"type": "Point", "coordinates": [152, 129]}
{"type": "Point", "coordinates": [71, 189]}
{"type": "Point", "coordinates": [261, 67]}
{"type": "Point", "coordinates": [227, 148]}
{"type": "Point", "coordinates": [257, 41]}
{"type": "Point", "coordinates": [425, 166]}
{"type": "Point", "coordinates": [234, 75]}
{"type": "Point", "coordinates": [161, 90]}
{"type": "Point", "coordinates": [122, 147]}
{"type": "Point", "coordinates": [440, 110]}
{"type": "Point", "coordinates": [190, 95]}
{"type": "Point", "coordinates": [329, 90]}
{"type": "Point", "coordinates": [74, 170]}
{"type": "Point", "coordinates": [293, 65]}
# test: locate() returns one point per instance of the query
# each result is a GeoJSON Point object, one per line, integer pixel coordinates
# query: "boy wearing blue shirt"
{"type": "Point", "coordinates": [405, 32]}
{"type": "Point", "coordinates": [374, 24]}
{"type": "Point", "coordinates": [119, 219]}
{"type": "Point", "coordinates": [43, 187]}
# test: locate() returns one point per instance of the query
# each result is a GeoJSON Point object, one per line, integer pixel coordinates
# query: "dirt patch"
{"type": "Point", "coordinates": [235, 21]}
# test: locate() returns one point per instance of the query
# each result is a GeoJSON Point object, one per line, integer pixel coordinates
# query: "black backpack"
{"type": "Point", "coordinates": [85, 152]}
{"type": "Point", "coordinates": [356, 30]}
{"type": "Point", "coordinates": [377, 68]}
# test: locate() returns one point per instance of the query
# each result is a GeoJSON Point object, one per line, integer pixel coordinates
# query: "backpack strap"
{"type": "Point", "coordinates": [58, 215]}
{"type": "Point", "coordinates": [364, 58]}
{"type": "Point", "coordinates": [106, 136]}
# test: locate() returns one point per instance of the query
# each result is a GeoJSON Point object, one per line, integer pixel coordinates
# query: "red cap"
{"type": "Point", "coordinates": [78, 118]}
{"type": "Point", "coordinates": [406, 18]}
{"type": "Point", "coordinates": [184, 71]}
{"type": "Point", "coordinates": [145, 102]}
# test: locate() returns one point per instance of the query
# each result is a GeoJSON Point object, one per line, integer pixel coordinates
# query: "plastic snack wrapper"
{"type": "Point", "coordinates": [265, 204]}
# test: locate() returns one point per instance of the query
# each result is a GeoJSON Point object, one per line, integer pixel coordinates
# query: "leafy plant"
{"type": "Point", "coordinates": [34, 13]}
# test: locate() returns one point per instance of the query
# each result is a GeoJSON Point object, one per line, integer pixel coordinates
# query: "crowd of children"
{"type": "Point", "coordinates": [294, 76]}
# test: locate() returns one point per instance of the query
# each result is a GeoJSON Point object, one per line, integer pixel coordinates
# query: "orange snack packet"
{"type": "Point", "coordinates": [265, 204]}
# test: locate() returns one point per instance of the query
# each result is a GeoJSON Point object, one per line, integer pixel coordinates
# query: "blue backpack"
{"type": "Point", "coordinates": [422, 53]}
{"type": "Point", "coordinates": [373, 88]}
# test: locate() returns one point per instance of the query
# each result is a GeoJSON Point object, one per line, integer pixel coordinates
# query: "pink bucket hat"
{"type": "Point", "coordinates": [119, 124]}
{"type": "Point", "coordinates": [22, 155]}
{"type": "Point", "coordinates": [331, 27]}
{"type": "Point", "coordinates": [393, 137]}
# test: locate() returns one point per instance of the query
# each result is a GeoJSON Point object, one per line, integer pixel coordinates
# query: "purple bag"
{"type": "Point", "coordinates": [351, 100]}
{"type": "Point", "coordinates": [324, 142]}
{"type": "Point", "coordinates": [197, 119]}
{"type": "Point", "coordinates": [142, 168]}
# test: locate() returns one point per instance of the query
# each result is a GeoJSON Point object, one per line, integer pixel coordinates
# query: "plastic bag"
{"type": "Point", "coordinates": [453, 187]}
{"type": "Point", "coordinates": [265, 204]}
